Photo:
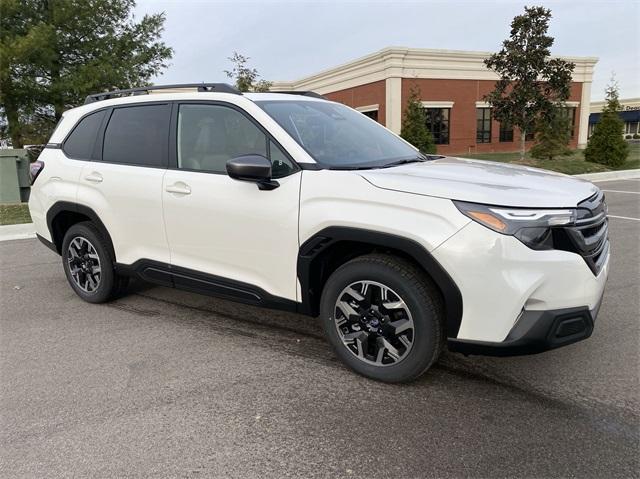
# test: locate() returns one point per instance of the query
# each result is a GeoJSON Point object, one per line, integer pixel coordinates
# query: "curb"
{"type": "Point", "coordinates": [17, 232]}
{"type": "Point", "coordinates": [610, 175]}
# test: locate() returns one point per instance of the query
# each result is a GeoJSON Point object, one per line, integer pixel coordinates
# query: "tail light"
{"type": "Point", "coordinates": [34, 170]}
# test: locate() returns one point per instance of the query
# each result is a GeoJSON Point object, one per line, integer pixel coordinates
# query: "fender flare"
{"type": "Point", "coordinates": [324, 239]}
{"type": "Point", "coordinates": [63, 206]}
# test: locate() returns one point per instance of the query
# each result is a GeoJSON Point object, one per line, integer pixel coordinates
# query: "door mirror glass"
{"type": "Point", "coordinates": [249, 168]}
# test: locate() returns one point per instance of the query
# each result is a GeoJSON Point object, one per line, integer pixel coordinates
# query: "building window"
{"type": "Point", "coordinates": [373, 114]}
{"type": "Point", "coordinates": [483, 122]}
{"type": "Point", "coordinates": [631, 128]}
{"type": "Point", "coordinates": [570, 113]}
{"type": "Point", "coordinates": [506, 132]}
{"type": "Point", "coordinates": [438, 124]}
{"type": "Point", "coordinates": [530, 136]}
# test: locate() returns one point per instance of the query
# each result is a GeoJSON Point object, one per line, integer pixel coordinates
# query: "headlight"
{"type": "Point", "coordinates": [534, 227]}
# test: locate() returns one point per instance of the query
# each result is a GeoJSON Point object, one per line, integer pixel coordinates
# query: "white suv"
{"type": "Point", "coordinates": [294, 202]}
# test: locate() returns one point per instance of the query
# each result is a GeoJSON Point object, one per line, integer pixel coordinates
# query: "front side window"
{"type": "Point", "coordinates": [483, 125]}
{"type": "Point", "coordinates": [138, 135]}
{"type": "Point", "coordinates": [82, 140]}
{"type": "Point", "coordinates": [438, 124]}
{"type": "Point", "coordinates": [211, 135]}
{"type": "Point", "coordinates": [337, 136]}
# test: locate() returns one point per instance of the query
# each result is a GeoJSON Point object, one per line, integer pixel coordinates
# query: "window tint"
{"type": "Point", "coordinates": [82, 140]}
{"type": "Point", "coordinates": [138, 135]}
{"type": "Point", "coordinates": [438, 124]}
{"type": "Point", "coordinates": [281, 164]}
{"type": "Point", "coordinates": [483, 125]}
{"type": "Point", "coordinates": [211, 135]}
{"type": "Point", "coordinates": [373, 114]}
{"type": "Point", "coordinates": [506, 132]}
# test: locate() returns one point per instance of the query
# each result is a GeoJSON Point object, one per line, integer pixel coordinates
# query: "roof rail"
{"type": "Point", "coordinates": [206, 87]}
{"type": "Point", "coordinates": [312, 94]}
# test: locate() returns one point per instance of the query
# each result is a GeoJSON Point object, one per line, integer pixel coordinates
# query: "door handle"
{"type": "Point", "coordinates": [179, 188]}
{"type": "Point", "coordinates": [94, 177]}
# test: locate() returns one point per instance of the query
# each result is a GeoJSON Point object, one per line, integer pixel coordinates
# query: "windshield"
{"type": "Point", "coordinates": [337, 136]}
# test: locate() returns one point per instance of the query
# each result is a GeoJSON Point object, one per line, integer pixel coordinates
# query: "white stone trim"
{"type": "Point", "coordinates": [482, 104]}
{"type": "Point", "coordinates": [393, 104]}
{"type": "Point", "coordinates": [404, 62]}
{"type": "Point", "coordinates": [367, 108]}
{"type": "Point", "coordinates": [583, 127]}
{"type": "Point", "coordinates": [572, 103]}
{"type": "Point", "coordinates": [437, 104]}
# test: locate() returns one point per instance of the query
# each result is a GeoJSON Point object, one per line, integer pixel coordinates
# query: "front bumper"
{"type": "Point", "coordinates": [535, 332]}
{"type": "Point", "coordinates": [507, 289]}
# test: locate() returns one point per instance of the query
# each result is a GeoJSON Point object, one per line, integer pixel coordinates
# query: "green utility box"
{"type": "Point", "coordinates": [14, 176]}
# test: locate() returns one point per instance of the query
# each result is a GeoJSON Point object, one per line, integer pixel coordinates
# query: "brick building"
{"type": "Point", "coordinates": [452, 85]}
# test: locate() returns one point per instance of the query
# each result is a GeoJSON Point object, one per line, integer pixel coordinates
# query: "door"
{"type": "Point", "coordinates": [124, 184]}
{"type": "Point", "coordinates": [242, 236]}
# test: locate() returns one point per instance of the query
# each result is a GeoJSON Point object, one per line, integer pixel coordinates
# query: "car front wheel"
{"type": "Point", "coordinates": [383, 317]}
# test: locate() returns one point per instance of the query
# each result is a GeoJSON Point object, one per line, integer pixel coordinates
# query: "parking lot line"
{"type": "Point", "coordinates": [618, 191]}
{"type": "Point", "coordinates": [623, 218]}
{"type": "Point", "coordinates": [616, 179]}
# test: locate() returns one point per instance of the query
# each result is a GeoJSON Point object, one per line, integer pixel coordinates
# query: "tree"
{"type": "Point", "coordinates": [607, 145]}
{"type": "Point", "coordinates": [55, 52]}
{"type": "Point", "coordinates": [247, 79]}
{"type": "Point", "coordinates": [552, 135]}
{"type": "Point", "coordinates": [531, 82]}
{"type": "Point", "coordinates": [414, 124]}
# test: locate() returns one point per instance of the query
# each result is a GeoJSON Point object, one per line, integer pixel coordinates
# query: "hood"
{"type": "Point", "coordinates": [483, 182]}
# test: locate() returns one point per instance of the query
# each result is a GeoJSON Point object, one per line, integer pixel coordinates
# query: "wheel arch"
{"type": "Point", "coordinates": [325, 251]}
{"type": "Point", "coordinates": [64, 214]}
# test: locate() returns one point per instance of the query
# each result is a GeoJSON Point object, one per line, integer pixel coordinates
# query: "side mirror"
{"type": "Point", "coordinates": [254, 168]}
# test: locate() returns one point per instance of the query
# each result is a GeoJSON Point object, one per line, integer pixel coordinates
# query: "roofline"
{"type": "Point", "coordinates": [406, 62]}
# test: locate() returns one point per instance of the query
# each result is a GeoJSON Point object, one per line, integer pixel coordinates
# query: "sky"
{"type": "Point", "coordinates": [290, 40]}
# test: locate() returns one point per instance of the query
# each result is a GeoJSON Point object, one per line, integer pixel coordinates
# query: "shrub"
{"type": "Point", "coordinates": [636, 137]}
{"type": "Point", "coordinates": [552, 136]}
{"type": "Point", "coordinates": [607, 145]}
{"type": "Point", "coordinates": [414, 125]}
{"type": "Point", "coordinates": [628, 137]}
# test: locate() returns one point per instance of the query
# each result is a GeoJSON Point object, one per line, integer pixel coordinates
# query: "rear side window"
{"type": "Point", "coordinates": [138, 135]}
{"type": "Point", "coordinates": [82, 140]}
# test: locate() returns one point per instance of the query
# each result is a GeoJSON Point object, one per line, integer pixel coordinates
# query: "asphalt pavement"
{"type": "Point", "coordinates": [164, 383]}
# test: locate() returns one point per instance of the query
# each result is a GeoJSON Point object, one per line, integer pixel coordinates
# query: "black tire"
{"type": "Point", "coordinates": [421, 299]}
{"type": "Point", "coordinates": [109, 285]}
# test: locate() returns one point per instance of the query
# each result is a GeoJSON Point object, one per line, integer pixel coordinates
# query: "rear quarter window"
{"type": "Point", "coordinates": [82, 140]}
{"type": "Point", "coordinates": [138, 135]}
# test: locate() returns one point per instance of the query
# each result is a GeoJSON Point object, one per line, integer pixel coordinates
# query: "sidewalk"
{"type": "Point", "coordinates": [16, 232]}
{"type": "Point", "coordinates": [611, 175]}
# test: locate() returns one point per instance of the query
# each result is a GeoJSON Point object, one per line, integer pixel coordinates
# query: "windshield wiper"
{"type": "Point", "coordinates": [417, 159]}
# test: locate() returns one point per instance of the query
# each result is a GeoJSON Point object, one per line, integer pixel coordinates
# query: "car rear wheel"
{"type": "Point", "coordinates": [383, 317]}
{"type": "Point", "coordinates": [88, 264]}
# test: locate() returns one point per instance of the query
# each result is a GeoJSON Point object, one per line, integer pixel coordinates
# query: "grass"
{"type": "Point", "coordinates": [14, 214]}
{"type": "Point", "coordinates": [572, 164]}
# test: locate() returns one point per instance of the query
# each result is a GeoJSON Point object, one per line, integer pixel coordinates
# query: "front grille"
{"type": "Point", "coordinates": [589, 237]}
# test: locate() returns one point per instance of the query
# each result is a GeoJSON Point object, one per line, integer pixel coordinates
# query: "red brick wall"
{"type": "Point", "coordinates": [462, 126]}
{"type": "Point", "coordinates": [363, 95]}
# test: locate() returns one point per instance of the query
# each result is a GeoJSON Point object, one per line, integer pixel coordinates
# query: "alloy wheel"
{"type": "Point", "coordinates": [84, 264]}
{"type": "Point", "coordinates": [374, 323]}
